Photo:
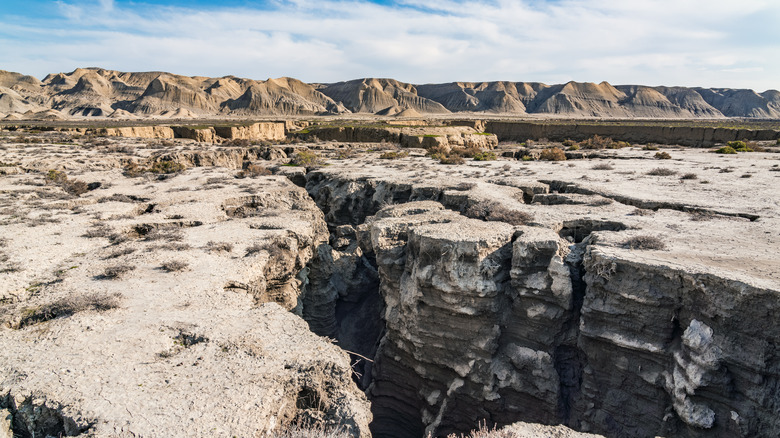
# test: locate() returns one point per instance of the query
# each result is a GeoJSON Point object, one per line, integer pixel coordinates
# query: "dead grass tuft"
{"type": "Point", "coordinates": [493, 211]}
{"type": "Point", "coordinates": [65, 307]}
{"type": "Point", "coordinates": [644, 242]}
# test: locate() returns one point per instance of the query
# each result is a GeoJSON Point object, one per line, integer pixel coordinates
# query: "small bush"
{"type": "Point", "coordinates": [574, 147]}
{"type": "Point", "coordinates": [644, 242]}
{"type": "Point", "coordinates": [212, 246]}
{"type": "Point", "coordinates": [570, 143]}
{"type": "Point", "coordinates": [306, 159]}
{"type": "Point", "coordinates": [553, 154]}
{"type": "Point", "coordinates": [451, 159]}
{"type": "Point", "coordinates": [603, 166]}
{"type": "Point", "coordinates": [166, 167]}
{"type": "Point", "coordinates": [662, 156]}
{"type": "Point", "coordinates": [662, 171]}
{"type": "Point", "coordinates": [485, 156]}
{"type": "Point", "coordinates": [650, 147]}
{"type": "Point", "coordinates": [527, 158]}
{"type": "Point", "coordinates": [689, 176]}
{"type": "Point", "coordinates": [394, 155]}
{"type": "Point", "coordinates": [72, 187]}
{"type": "Point", "coordinates": [737, 144]}
{"type": "Point", "coordinates": [493, 211]}
{"type": "Point", "coordinates": [253, 171]}
{"type": "Point", "coordinates": [726, 150]}
{"type": "Point", "coordinates": [597, 142]}
{"type": "Point", "coordinates": [174, 266]}
{"type": "Point", "coordinates": [117, 271]}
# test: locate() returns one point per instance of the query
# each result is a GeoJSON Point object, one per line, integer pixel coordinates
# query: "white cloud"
{"type": "Point", "coordinates": [654, 42]}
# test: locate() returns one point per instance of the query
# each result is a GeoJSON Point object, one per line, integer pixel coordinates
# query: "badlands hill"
{"type": "Point", "coordinates": [96, 92]}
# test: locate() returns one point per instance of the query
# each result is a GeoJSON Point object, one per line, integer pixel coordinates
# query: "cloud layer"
{"type": "Point", "coordinates": [711, 43]}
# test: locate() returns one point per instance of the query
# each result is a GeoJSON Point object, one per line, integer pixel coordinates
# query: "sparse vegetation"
{"type": "Point", "coordinates": [662, 156]}
{"type": "Point", "coordinates": [689, 176]}
{"type": "Point", "coordinates": [603, 166]}
{"type": "Point", "coordinates": [644, 242]}
{"type": "Point", "coordinates": [649, 147]}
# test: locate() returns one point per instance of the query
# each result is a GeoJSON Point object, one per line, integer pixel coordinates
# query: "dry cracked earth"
{"type": "Point", "coordinates": [176, 288]}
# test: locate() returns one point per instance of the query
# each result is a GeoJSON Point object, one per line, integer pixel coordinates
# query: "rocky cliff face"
{"type": "Point", "coordinates": [96, 92]}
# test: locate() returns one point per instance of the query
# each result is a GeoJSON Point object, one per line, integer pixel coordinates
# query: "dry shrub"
{"type": "Point", "coordinates": [662, 156]}
{"type": "Point", "coordinates": [689, 176]}
{"type": "Point", "coordinates": [253, 171]}
{"type": "Point", "coordinates": [603, 166]}
{"type": "Point", "coordinates": [493, 211]}
{"type": "Point", "coordinates": [394, 155]}
{"type": "Point", "coordinates": [174, 266]}
{"type": "Point", "coordinates": [117, 271]}
{"type": "Point", "coordinates": [451, 159]}
{"type": "Point", "coordinates": [662, 171]}
{"type": "Point", "coordinates": [553, 154]}
{"type": "Point", "coordinates": [72, 187]}
{"type": "Point", "coordinates": [644, 242]}
{"type": "Point", "coordinates": [212, 246]}
{"type": "Point", "coordinates": [66, 307]}
{"type": "Point", "coordinates": [597, 142]}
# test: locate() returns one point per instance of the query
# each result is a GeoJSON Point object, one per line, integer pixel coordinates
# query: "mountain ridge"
{"type": "Point", "coordinates": [98, 92]}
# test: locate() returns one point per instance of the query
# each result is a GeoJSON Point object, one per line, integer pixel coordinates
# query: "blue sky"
{"type": "Point", "coordinates": [712, 43]}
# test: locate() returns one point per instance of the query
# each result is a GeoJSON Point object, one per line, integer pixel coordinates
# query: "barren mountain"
{"type": "Point", "coordinates": [96, 92]}
{"type": "Point", "coordinates": [372, 95]}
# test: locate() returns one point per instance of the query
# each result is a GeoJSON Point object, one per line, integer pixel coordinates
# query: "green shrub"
{"type": "Point", "coordinates": [306, 159]}
{"type": "Point", "coordinates": [553, 154]}
{"type": "Point", "coordinates": [726, 150]}
{"type": "Point", "coordinates": [737, 144]}
{"type": "Point", "coordinates": [527, 158]}
{"type": "Point", "coordinates": [485, 156]}
{"type": "Point", "coordinates": [574, 147]}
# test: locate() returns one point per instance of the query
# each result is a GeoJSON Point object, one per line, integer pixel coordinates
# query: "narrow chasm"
{"type": "Point", "coordinates": [447, 331]}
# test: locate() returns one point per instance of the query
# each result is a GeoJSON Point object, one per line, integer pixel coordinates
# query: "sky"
{"type": "Point", "coordinates": [708, 43]}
